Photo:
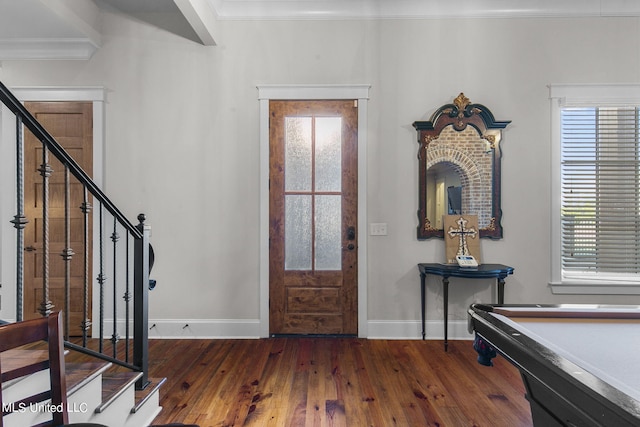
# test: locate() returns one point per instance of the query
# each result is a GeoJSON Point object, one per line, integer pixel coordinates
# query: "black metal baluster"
{"type": "Point", "coordinates": [19, 220]}
{"type": "Point", "coordinates": [114, 337]}
{"type": "Point", "coordinates": [46, 306]}
{"type": "Point", "coordinates": [67, 253]}
{"type": "Point", "coordinates": [101, 280]}
{"type": "Point", "coordinates": [126, 298]}
{"type": "Point", "coordinates": [86, 322]}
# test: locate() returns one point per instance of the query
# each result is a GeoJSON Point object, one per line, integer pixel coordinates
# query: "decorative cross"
{"type": "Point", "coordinates": [461, 232]}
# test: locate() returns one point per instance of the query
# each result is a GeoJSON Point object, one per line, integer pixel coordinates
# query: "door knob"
{"type": "Point", "coordinates": [29, 249]}
{"type": "Point", "coordinates": [351, 233]}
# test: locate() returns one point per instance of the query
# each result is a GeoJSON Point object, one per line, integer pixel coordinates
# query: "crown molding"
{"type": "Point", "coordinates": [418, 9]}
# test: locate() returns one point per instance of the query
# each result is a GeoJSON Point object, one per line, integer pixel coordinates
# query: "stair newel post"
{"type": "Point", "coordinates": [19, 220]}
{"type": "Point", "coordinates": [141, 302]}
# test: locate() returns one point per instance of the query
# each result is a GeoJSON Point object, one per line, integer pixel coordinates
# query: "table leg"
{"type": "Point", "coordinates": [445, 294]}
{"type": "Point", "coordinates": [500, 290]}
{"type": "Point", "coordinates": [422, 301]}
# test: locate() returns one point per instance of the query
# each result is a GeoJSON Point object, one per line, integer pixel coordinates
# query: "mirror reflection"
{"type": "Point", "coordinates": [444, 192]}
{"type": "Point", "coordinates": [459, 168]}
{"type": "Point", "coordinates": [459, 176]}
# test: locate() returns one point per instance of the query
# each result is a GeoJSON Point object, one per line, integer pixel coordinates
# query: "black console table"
{"type": "Point", "coordinates": [483, 271]}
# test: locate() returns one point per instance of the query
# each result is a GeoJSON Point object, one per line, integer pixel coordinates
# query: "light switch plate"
{"type": "Point", "coordinates": [378, 229]}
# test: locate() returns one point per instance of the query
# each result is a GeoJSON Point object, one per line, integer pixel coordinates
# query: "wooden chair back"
{"type": "Point", "coordinates": [20, 334]}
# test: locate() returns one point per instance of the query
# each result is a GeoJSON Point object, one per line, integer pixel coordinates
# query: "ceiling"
{"type": "Point", "coordinates": [70, 29]}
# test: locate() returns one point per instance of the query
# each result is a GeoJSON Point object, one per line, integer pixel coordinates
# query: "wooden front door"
{"type": "Point", "coordinates": [71, 124]}
{"type": "Point", "coordinates": [313, 217]}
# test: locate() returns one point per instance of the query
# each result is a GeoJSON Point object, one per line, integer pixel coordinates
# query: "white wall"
{"type": "Point", "coordinates": [182, 144]}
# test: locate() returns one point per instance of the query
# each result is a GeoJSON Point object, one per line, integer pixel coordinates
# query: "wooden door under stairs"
{"type": "Point", "coordinates": [71, 124]}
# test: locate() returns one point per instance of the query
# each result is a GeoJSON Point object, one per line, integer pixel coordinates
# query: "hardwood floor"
{"type": "Point", "coordinates": [334, 382]}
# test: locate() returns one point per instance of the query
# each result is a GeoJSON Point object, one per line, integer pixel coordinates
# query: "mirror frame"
{"type": "Point", "coordinates": [460, 114]}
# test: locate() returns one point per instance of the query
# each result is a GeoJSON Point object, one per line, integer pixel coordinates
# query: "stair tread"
{"type": "Point", "coordinates": [79, 374]}
{"type": "Point", "coordinates": [114, 384]}
{"type": "Point", "coordinates": [16, 359]}
{"type": "Point", "coordinates": [143, 395]}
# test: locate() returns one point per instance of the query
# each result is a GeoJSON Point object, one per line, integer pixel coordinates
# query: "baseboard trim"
{"type": "Point", "coordinates": [412, 329]}
{"type": "Point", "coordinates": [205, 328]}
{"type": "Point", "coordinates": [250, 329]}
{"type": "Point", "coordinates": [197, 328]}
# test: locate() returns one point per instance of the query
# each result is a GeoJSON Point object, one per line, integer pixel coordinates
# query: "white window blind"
{"type": "Point", "coordinates": [600, 173]}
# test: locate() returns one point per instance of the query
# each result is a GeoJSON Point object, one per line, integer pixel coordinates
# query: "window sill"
{"type": "Point", "coordinates": [594, 288]}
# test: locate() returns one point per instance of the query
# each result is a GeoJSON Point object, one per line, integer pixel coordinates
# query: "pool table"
{"type": "Point", "coordinates": [580, 364]}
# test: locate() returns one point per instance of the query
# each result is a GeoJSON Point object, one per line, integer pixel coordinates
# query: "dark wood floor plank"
{"type": "Point", "coordinates": [317, 392]}
{"type": "Point", "coordinates": [411, 399]}
{"type": "Point", "coordinates": [499, 392]}
{"type": "Point", "coordinates": [352, 385]}
{"type": "Point", "coordinates": [239, 383]}
{"type": "Point", "coordinates": [261, 400]}
{"type": "Point", "coordinates": [385, 380]}
{"type": "Point", "coordinates": [195, 380]}
{"type": "Point", "coordinates": [482, 410]}
{"type": "Point", "coordinates": [334, 382]}
{"type": "Point", "coordinates": [276, 383]}
{"type": "Point", "coordinates": [421, 382]}
{"type": "Point", "coordinates": [459, 385]}
{"type": "Point", "coordinates": [372, 401]}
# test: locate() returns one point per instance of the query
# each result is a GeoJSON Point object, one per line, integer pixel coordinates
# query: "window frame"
{"type": "Point", "coordinates": [581, 95]}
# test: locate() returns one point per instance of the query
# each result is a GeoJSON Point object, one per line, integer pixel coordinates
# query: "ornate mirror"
{"type": "Point", "coordinates": [459, 167]}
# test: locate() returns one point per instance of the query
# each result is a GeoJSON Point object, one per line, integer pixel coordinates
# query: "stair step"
{"type": "Point", "coordinates": [143, 395]}
{"type": "Point", "coordinates": [114, 384]}
{"type": "Point", "coordinates": [87, 376]}
{"type": "Point", "coordinates": [14, 360]}
{"type": "Point", "coordinates": [79, 374]}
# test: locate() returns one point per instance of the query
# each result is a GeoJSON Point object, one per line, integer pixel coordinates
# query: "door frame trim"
{"type": "Point", "coordinates": [313, 92]}
{"type": "Point", "coordinates": [94, 94]}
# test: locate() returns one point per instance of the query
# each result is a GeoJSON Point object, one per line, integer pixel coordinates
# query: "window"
{"type": "Point", "coordinates": [596, 189]}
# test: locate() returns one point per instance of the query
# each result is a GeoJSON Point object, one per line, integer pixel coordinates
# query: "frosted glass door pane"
{"type": "Point", "coordinates": [297, 156]}
{"type": "Point", "coordinates": [297, 232]}
{"type": "Point", "coordinates": [328, 153]}
{"type": "Point", "coordinates": [328, 221]}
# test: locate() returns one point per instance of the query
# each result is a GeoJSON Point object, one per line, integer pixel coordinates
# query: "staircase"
{"type": "Point", "coordinates": [107, 368]}
{"type": "Point", "coordinates": [98, 391]}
